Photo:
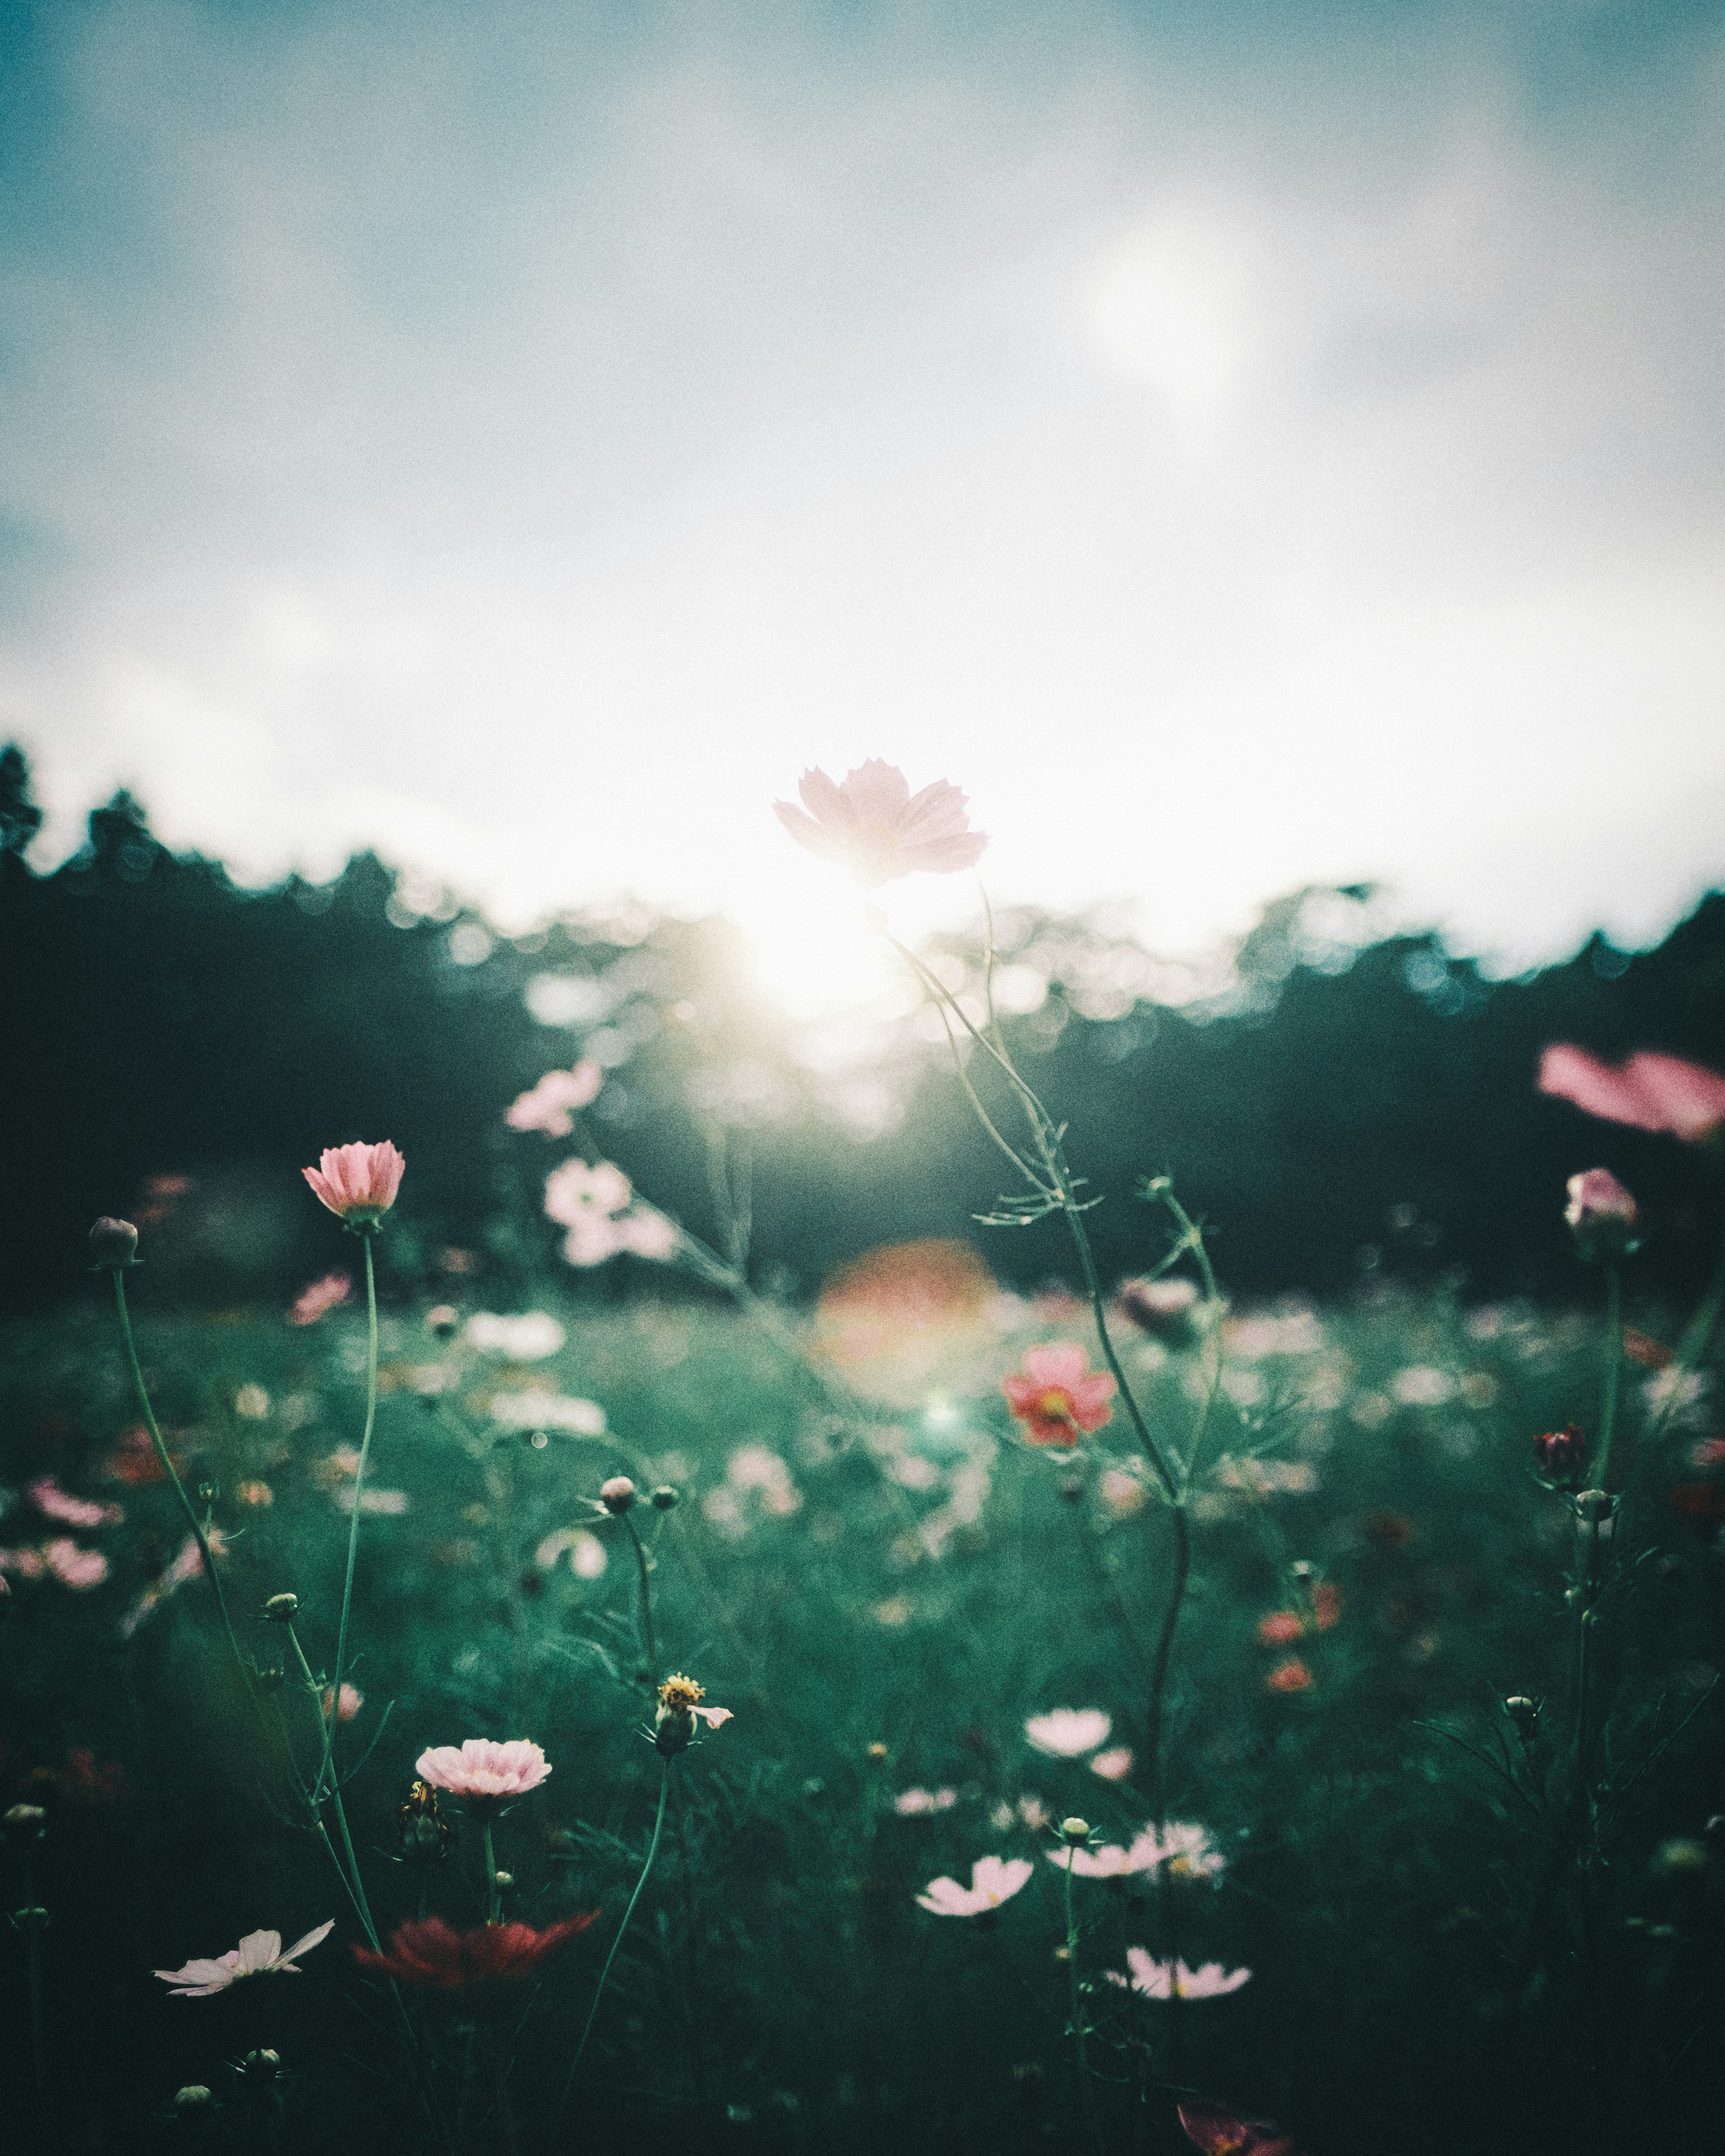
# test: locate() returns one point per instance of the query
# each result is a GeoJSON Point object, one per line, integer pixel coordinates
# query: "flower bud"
{"type": "Point", "coordinates": [877, 1751]}
{"type": "Point", "coordinates": [261, 2066]}
{"type": "Point", "coordinates": [1524, 1713]}
{"type": "Point", "coordinates": [443, 1322]}
{"type": "Point", "coordinates": [503, 1878]}
{"type": "Point", "coordinates": [282, 1608]}
{"type": "Point", "coordinates": [665, 1498]}
{"type": "Point", "coordinates": [23, 1819]}
{"type": "Point", "coordinates": [1560, 1455]}
{"type": "Point", "coordinates": [1596, 1504]}
{"type": "Point", "coordinates": [209, 1492]}
{"type": "Point", "coordinates": [112, 1243]}
{"type": "Point", "coordinates": [1075, 1831]}
{"type": "Point", "coordinates": [1072, 1488]}
{"type": "Point", "coordinates": [194, 2097]}
{"type": "Point", "coordinates": [1603, 1217]}
{"type": "Point", "coordinates": [672, 1731]}
{"type": "Point", "coordinates": [618, 1495]}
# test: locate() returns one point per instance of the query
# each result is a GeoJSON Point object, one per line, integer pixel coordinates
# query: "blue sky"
{"type": "Point", "coordinates": [1241, 445]}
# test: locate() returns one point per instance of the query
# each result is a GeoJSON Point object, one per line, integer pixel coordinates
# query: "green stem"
{"type": "Point", "coordinates": [1159, 1666]}
{"type": "Point", "coordinates": [327, 1771]}
{"type": "Point", "coordinates": [494, 1893]}
{"type": "Point", "coordinates": [642, 1568]}
{"type": "Point", "coordinates": [1614, 1373]}
{"type": "Point", "coordinates": [167, 1467]}
{"type": "Point", "coordinates": [605, 1972]}
{"type": "Point", "coordinates": [1583, 1631]}
{"type": "Point", "coordinates": [1080, 2034]}
{"type": "Point", "coordinates": [355, 1884]}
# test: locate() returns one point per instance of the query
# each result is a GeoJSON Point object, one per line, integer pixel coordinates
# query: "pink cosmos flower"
{"type": "Point", "coordinates": [1057, 1395]}
{"type": "Point", "coordinates": [46, 1495]}
{"type": "Point", "coordinates": [484, 1768]}
{"type": "Point", "coordinates": [992, 1880]}
{"type": "Point", "coordinates": [320, 1296]}
{"type": "Point", "coordinates": [1110, 1861]}
{"type": "Point", "coordinates": [357, 1183]}
{"type": "Point", "coordinates": [1173, 1979]}
{"type": "Point", "coordinates": [259, 1953]}
{"type": "Point", "coordinates": [872, 821]}
{"type": "Point", "coordinates": [27, 1563]}
{"type": "Point", "coordinates": [1218, 2132]}
{"type": "Point", "coordinates": [1281, 1628]}
{"type": "Point", "coordinates": [352, 1699]}
{"type": "Point", "coordinates": [922, 1803]}
{"type": "Point", "coordinates": [1603, 1216]}
{"type": "Point", "coordinates": [1113, 1766]}
{"type": "Point", "coordinates": [1068, 1731]}
{"type": "Point", "coordinates": [73, 1567]}
{"type": "Point", "coordinates": [550, 1105]}
{"type": "Point", "coordinates": [1649, 1092]}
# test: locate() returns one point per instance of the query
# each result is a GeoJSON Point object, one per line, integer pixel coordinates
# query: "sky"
{"type": "Point", "coordinates": [1242, 445]}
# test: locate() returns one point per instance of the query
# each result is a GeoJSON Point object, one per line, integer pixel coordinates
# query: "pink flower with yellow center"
{"type": "Point", "coordinates": [870, 821]}
{"type": "Point", "coordinates": [357, 1183]}
{"type": "Point", "coordinates": [483, 1768]}
{"type": "Point", "coordinates": [1057, 1396]}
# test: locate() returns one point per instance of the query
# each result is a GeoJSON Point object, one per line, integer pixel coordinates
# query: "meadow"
{"type": "Point", "coordinates": [885, 1592]}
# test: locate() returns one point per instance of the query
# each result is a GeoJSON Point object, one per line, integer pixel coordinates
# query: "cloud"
{"type": "Point", "coordinates": [531, 440]}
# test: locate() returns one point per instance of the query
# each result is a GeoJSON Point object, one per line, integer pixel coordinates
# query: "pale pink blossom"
{"type": "Point", "coordinates": [1601, 1215]}
{"type": "Point", "coordinates": [922, 1803]}
{"type": "Point", "coordinates": [1173, 1979]}
{"type": "Point", "coordinates": [1057, 1395]}
{"type": "Point", "coordinates": [46, 1495]}
{"type": "Point", "coordinates": [187, 1564]}
{"type": "Point", "coordinates": [870, 821]}
{"type": "Point", "coordinates": [319, 1295]}
{"type": "Point", "coordinates": [1068, 1731]}
{"type": "Point", "coordinates": [358, 1182]}
{"type": "Point", "coordinates": [387, 1503]}
{"type": "Point", "coordinates": [1187, 1849]}
{"type": "Point", "coordinates": [483, 1768]}
{"type": "Point", "coordinates": [581, 1191]}
{"type": "Point", "coordinates": [1113, 1766]}
{"type": "Point", "coordinates": [27, 1563]}
{"type": "Point", "coordinates": [1110, 1861]}
{"type": "Point", "coordinates": [1649, 1092]}
{"type": "Point", "coordinates": [259, 1953]}
{"type": "Point", "coordinates": [352, 1699]}
{"type": "Point", "coordinates": [648, 1233]}
{"type": "Point", "coordinates": [550, 1105]}
{"type": "Point", "coordinates": [992, 1880]}
{"type": "Point", "coordinates": [73, 1567]}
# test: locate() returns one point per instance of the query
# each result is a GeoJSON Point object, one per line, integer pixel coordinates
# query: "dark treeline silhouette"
{"type": "Point", "coordinates": [1334, 1112]}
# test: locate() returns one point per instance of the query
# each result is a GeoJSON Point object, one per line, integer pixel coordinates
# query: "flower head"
{"type": "Point", "coordinates": [483, 1768]}
{"type": "Point", "coordinates": [1649, 1092]}
{"type": "Point", "coordinates": [1281, 1628]}
{"type": "Point", "coordinates": [550, 1105]}
{"type": "Point", "coordinates": [992, 1880]}
{"type": "Point", "coordinates": [1560, 1456]}
{"type": "Point", "coordinates": [1218, 2132]}
{"type": "Point", "coordinates": [357, 1183]}
{"type": "Point", "coordinates": [113, 1244]}
{"type": "Point", "coordinates": [679, 1710]}
{"type": "Point", "coordinates": [1113, 1766]}
{"type": "Point", "coordinates": [872, 821]}
{"type": "Point", "coordinates": [1602, 1214]}
{"type": "Point", "coordinates": [46, 1495]}
{"type": "Point", "coordinates": [259, 1953]}
{"type": "Point", "coordinates": [1291, 1676]}
{"type": "Point", "coordinates": [923, 1804]}
{"type": "Point", "coordinates": [318, 1297]}
{"type": "Point", "coordinates": [1066, 1731]}
{"type": "Point", "coordinates": [433, 1957]}
{"type": "Point", "coordinates": [1173, 1979]}
{"type": "Point", "coordinates": [1057, 1395]}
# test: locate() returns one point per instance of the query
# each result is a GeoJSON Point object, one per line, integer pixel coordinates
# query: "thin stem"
{"type": "Point", "coordinates": [1614, 1372]}
{"type": "Point", "coordinates": [1159, 1666]}
{"type": "Point", "coordinates": [1583, 1631]}
{"type": "Point", "coordinates": [642, 1570]}
{"type": "Point", "coordinates": [1080, 2034]}
{"type": "Point", "coordinates": [359, 1485]}
{"type": "Point", "coordinates": [604, 1973]}
{"type": "Point", "coordinates": [168, 1466]}
{"type": "Point", "coordinates": [494, 1893]}
{"type": "Point", "coordinates": [355, 1884]}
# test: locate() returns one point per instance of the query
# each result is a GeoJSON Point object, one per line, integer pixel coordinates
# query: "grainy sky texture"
{"type": "Point", "coordinates": [1242, 444]}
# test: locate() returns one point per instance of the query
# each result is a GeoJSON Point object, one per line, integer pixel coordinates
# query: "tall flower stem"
{"type": "Point", "coordinates": [643, 1569]}
{"type": "Point", "coordinates": [350, 1873]}
{"type": "Point", "coordinates": [1080, 2034]}
{"type": "Point", "coordinates": [1614, 1373]}
{"type": "Point", "coordinates": [366, 1233]}
{"type": "Point", "coordinates": [494, 1893]}
{"type": "Point", "coordinates": [167, 1469]}
{"type": "Point", "coordinates": [605, 1972]}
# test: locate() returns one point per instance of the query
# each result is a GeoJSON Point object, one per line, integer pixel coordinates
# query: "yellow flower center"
{"type": "Point", "coordinates": [1056, 1405]}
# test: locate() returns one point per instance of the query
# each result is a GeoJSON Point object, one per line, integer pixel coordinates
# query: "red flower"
{"type": "Point", "coordinates": [1220, 2133]}
{"type": "Point", "coordinates": [1649, 1092]}
{"type": "Point", "coordinates": [434, 1958]}
{"type": "Point", "coordinates": [1703, 1502]}
{"type": "Point", "coordinates": [1057, 1395]}
{"type": "Point", "coordinates": [1561, 1455]}
{"type": "Point", "coordinates": [1292, 1676]}
{"type": "Point", "coordinates": [1280, 1629]}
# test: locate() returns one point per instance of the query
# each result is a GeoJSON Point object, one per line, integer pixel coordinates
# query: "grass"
{"type": "Point", "coordinates": [1444, 1957]}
